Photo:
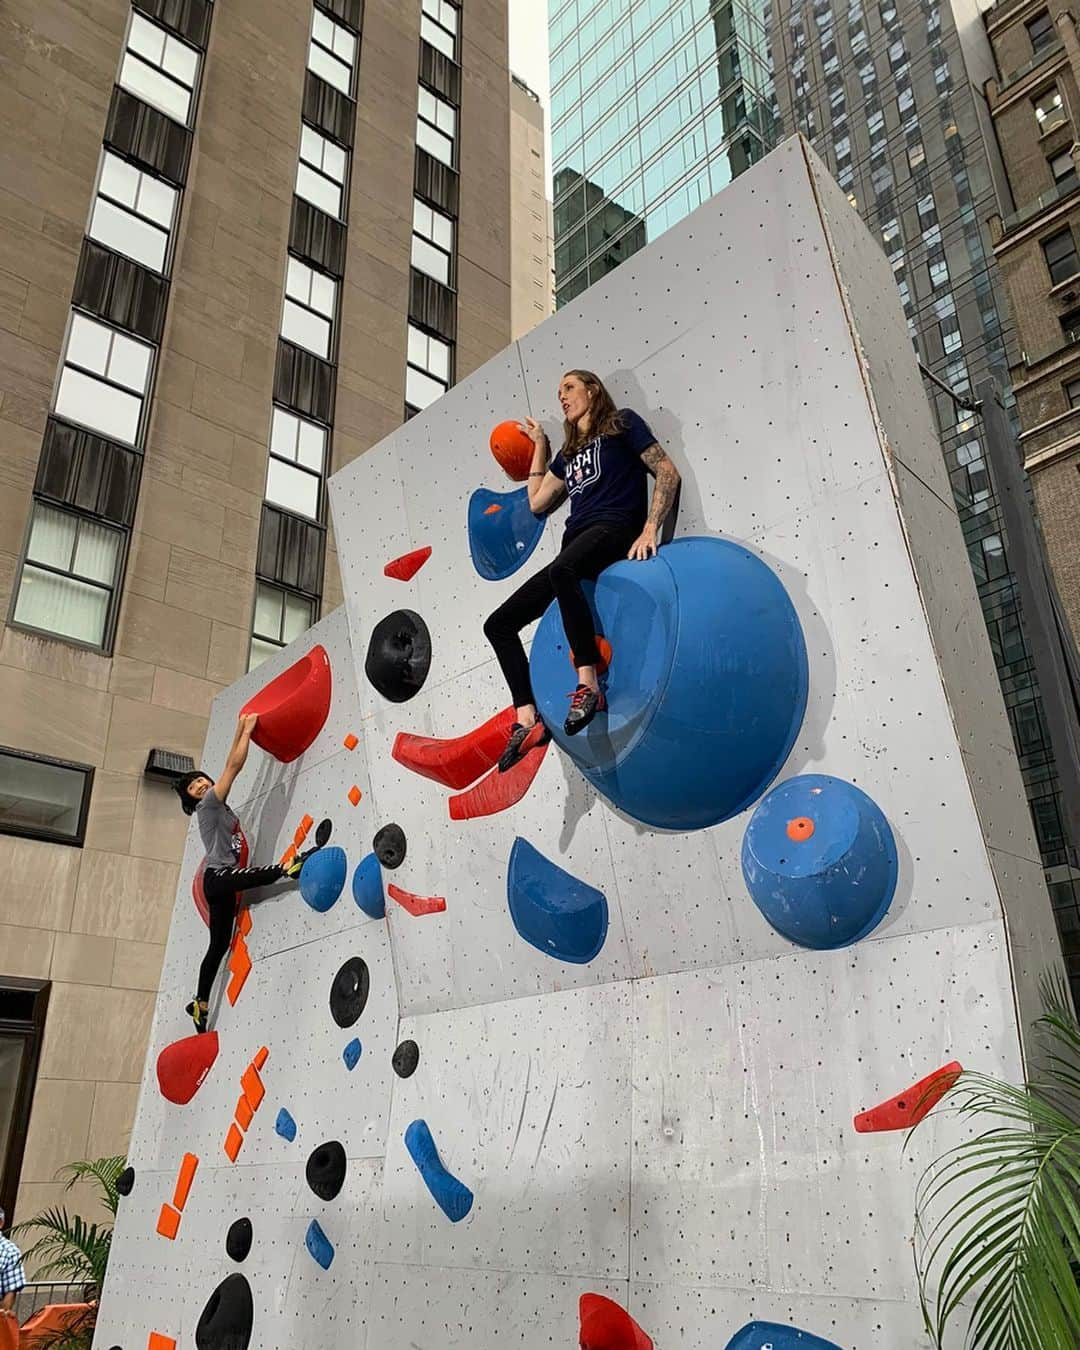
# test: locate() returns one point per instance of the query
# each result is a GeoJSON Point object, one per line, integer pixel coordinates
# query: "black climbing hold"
{"type": "Point", "coordinates": [226, 1320]}
{"type": "Point", "coordinates": [326, 1170]}
{"type": "Point", "coordinates": [406, 1058]}
{"type": "Point", "coordinates": [125, 1181]}
{"type": "Point", "coordinates": [349, 991]}
{"type": "Point", "coordinates": [323, 831]}
{"type": "Point", "coordinates": [399, 655]}
{"type": "Point", "coordinates": [238, 1239]}
{"type": "Point", "coordinates": [389, 845]}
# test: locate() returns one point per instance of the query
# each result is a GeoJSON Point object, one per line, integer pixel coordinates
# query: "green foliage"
{"type": "Point", "coordinates": [997, 1228]}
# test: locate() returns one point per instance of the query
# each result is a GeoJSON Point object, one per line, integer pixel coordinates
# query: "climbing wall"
{"type": "Point", "coordinates": [629, 1034]}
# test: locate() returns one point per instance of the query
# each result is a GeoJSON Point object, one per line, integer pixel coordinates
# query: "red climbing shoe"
{"type": "Point", "coordinates": [585, 703]}
{"type": "Point", "coordinates": [521, 741]}
{"type": "Point", "coordinates": [199, 1015]}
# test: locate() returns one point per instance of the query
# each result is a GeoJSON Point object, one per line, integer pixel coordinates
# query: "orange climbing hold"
{"type": "Point", "coordinates": [243, 921]}
{"type": "Point", "coordinates": [493, 509]}
{"type": "Point", "coordinates": [261, 1056]}
{"type": "Point", "coordinates": [253, 1086]}
{"type": "Point", "coordinates": [457, 762]}
{"type": "Point", "coordinates": [233, 1140]}
{"type": "Point", "coordinates": [513, 448]}
{"type": "Point", "coordinates": [407, 566]}
{"type": "Point", "coordinates": [800, 829]}
{"type": "Point", "coordinates": [243, 1113]}
{"type": "Point", "coordinates": [159, 1342]}
{"type": "Point", "coordinates": [908, 1108]}
{"type": "Point", "coordinates": [354, 795]}
{"type": "Point", "coordinates": [293, 708]}
{"type": "Point", "coordinates": [168, 1224]}
{"type": "Point", "coordinates": [350, 742]}
{"type": "Point", "coordinates": [188, 1165]}
{"type": "Point", "coordinates": [417, 905]}
{"type": "Point", "coordinates": [603, 647]}
{"type": "Point", "coordinates": [239, 969]}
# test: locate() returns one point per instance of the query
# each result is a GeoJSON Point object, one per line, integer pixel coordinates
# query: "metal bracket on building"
{"type": "Point", "coordinates": [968, 405]}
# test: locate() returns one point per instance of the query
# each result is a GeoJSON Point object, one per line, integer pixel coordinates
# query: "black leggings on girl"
{"type": "Point", "coordinates": [221, 886]}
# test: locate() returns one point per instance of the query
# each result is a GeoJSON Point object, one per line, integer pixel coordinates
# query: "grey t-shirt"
{"type": "Point", "coordinates": [220, 831]}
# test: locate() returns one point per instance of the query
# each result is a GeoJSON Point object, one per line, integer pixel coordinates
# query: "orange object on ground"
{"type": "Point", "coordinates": [261, 1056]}
{"type": "Point", "coordinates": [44, 1326]}
{"type": "Point", "coordinates": [159, 1342]}
{"type": "Point", "coordinates": [188, 1166]}
{"type": "Point", "coordinates": [243, 1113]}
{"type": "Point", "coordinates": [9, 1331]}
{"type": "Point", "coordinates": [498, 791]}
{"type": "Point", "coordinates": [603, 647]}
{"type": "Point", "coordinates": [168, 1224]}
{"type": "Point", "coordinates": [293, 708]}
{"type": "Point", "coordinates": [407, 566]}
{"type": "Point", "coordinates": [460, 761]}
{"type": "Point", "coordinates": [417, 905]}
{"type": "Point", "coordinates": [233, 1140]}
{"type": "Point", "coordinates": [606, 1326]}
{"type": "Point", "coordinates": [908, 1108]}
{"type": "Point", "coordinates": [239, 969]}
{"type": "Point", "coordinates": [354, 795]}
{"type": "Point", "coordinates": [252, 1085]}
{"type": "Point", "coordinates": [350, 742]}
{"type": "Point", "coordinates": [513, 449]}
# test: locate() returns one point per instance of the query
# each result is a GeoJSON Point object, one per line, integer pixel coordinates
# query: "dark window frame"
{"type": "Point", "coordinates": [144, 398]}
{"type": "Point", "coordinates": [170, 233]}
{"type": "Point", "coordinates": [194, 90]}
{"type": "Point", "coordinates": [1046, 31]}
{"type": "Point", "coordinates": [32, 1030]}
{"type": "Point", "coordinates": [315, 601]}
{"type": "Point", "coordinates": [53, 836]}
{"type": "Point", "coordinates": [455, 38]}
{"type": "Point", "coordinates": [344, 186]}
{"type": "Point", "coordinates": [1054, 263]}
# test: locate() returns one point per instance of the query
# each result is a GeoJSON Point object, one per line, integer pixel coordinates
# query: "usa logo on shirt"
{"type": "Point", "coordinates": [584, 468]}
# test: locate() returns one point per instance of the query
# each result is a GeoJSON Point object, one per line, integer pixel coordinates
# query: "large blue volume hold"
{"type": "Point", "coordinates": [367, 887]}
{"type": "Point", "coordinates": [501, 540]}
{"type": "Point", "coordinates": [706, 689]}
{"type": "Point", "coordinates": [819, 860]}
{"type": "Point", "coordinates": [319, 1245]}
{"type": "Point", "coordinates": [552, 910]}
{"type": "Point", "coordinates": [322, 878]}
{"type": "Point", "coordinates": [773, 1336]}
{"type": "Point", "coordinates": [451, 1195]}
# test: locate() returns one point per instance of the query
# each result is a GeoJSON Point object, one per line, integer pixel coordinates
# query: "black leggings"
{"type": "Point", "coordinates": [221, 886]}
{"type": "Point", "coordinates": [583, 558]}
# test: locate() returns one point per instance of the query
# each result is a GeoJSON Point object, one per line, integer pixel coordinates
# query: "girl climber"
{"type": "Point", "coordinates": [223, 840]}
{"type": "Point", "coordinates": [603, 465]}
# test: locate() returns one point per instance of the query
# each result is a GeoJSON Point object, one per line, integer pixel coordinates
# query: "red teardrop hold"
{"type": "Point", "coordinates": [460, 761]}
{"type": "Point", "coordinates": [407, 566]}
{"type": "Point", "coordinates": [498, 791]}
{"type": "Point", "coordinates": [182, 1066]}
{"type": "Point", "coordinates": [606, 1326]}
{"type": "Point", "coordinates": [293, 707]}
{"type": "Point", "coordinates": [909, 1107]}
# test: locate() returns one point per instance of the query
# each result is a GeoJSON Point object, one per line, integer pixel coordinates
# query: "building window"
{"type": "Point", "coordinates": [103, 379]}
{"type": "Point", "coordinates": [308, 319]}
{"type": "Point", "coordinates": [133, 212]}
{"type": "Point", "coordinates": [1060, 253]}
{"type": "Point", "coordinates": [280, 618]}
{"type": "Point", "coordinates": [436, 126]}
{"type": "Point", "coordinates": [1041, 31]}
{"type": "Point", "coordinates": [1072, 393]}
{"type": "Point", "coordinates": [332, 53]}
{"type": "Point", "coordinates": [994, 556]}
{"type": "Point", "coordinates": [320, 174]}
{"type": "Point", "coordinates": [23, 1005]}
{"type": "Point", "coordinates": [432, 241]}
{"type": "Point", "coordinates": [1070, 325]}
{"type": "Point", "coordinates": [1063, 169]}
{"type": "Point", "coordinates": [44, 798]}
{"type": "Point", "coordinates": [428, 374]}
{"type": "Point", "coordinates": [68, 576]}
{"type": "Point", "coordinates": [1049, 109]}
{"type": "Point", "coordinates": [159, 69]}
{"type": "Point", "coordinates": [439, 26]}
{"type": "Point", "coordinates": [297, 459]}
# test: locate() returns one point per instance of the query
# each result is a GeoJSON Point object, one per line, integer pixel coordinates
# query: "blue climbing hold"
{"type": "Point", "coordinates": [706, 688]}
{"type": "Point", "coordinates": [285, 1125]}
{"type": "Point", "coordinates": [819, 860]}
{"type": "Point", "coordinates": [773, 1336]}
{"type": "Point", "coordinates": [323, 878]}
{"type": "Point", "coordinates": [351, 1054]}
{"type": "Point", "coordinates": [319, 1245]}
{"type": "Point", "coordinates": [367, 887]}
{"type": "Point", "coordinates": [552, 910]}
{"type": "Point", "coordinates": [502, 531]}
{"type": "Point", "coordinates": [451, 1195]}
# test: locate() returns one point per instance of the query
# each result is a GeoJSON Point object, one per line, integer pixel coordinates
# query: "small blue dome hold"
{"type": "Point", "coordinates": [773, 1336]}
{"type": "Point", "coordinates": [552, 910]}
{"type": "Point", "coordinates": [367, 887]}
{"type": "Point", "coordinates": [322, 878]}
{"type": "Point", "coordinates": [502, 532]}
{"type": "Point", "coordinates": [819, 861]}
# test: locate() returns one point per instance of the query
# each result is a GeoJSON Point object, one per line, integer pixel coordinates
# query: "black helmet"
{"type": "Point", "coordinates": [182, 784]}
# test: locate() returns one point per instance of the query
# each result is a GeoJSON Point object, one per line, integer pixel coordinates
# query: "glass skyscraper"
{"type": "Point", "coordinates": [657, 104]}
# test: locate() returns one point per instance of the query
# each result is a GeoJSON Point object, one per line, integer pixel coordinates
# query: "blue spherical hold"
{"type": "Point", "coordinates": [819, 860]}
{"type": "Point", "coordinates": [502, 532]}
{"type": "Point", "coordinates": [773, 1336]}
{"type": "Point", "coordinates": [367, 887]}
{"type": "Point", "coordinates": [706, 688]}
{"type": "Point", "coordinates": [553, 911]}
{"type": "Point", "coordinates": [322, 878]}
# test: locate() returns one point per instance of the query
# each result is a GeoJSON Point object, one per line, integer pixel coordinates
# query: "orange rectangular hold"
{"type": "Point", "coordinates": [239, 968]}
{"type": "Point", "coordinates": [306, 824]}
{"type": "Point", "coordinates": [243, 921]}
{"type": "Point", "coordinates": [168, 1224]}
{"type": "Point", "coordinates": [287, 857]}
{"type": "Point", "coordinates": [299, 837]}
{"type": "Point", "coordinates": [350, 742]}
{"type": "Point", "coordinates": [253, 1087]}
{"type": "Point", "coordinates": [243, 1113]}
{"type": "Point", "coordinates": [159, 1342]}
{"type": "Point", "coordinates": [233, 1140]}
{"type": "Point", "coordinates": [261, 1056]}
{"type": "Point", "coordinates": [184, 1178]}
{"type": "Point", "coordinates": [354, 795]}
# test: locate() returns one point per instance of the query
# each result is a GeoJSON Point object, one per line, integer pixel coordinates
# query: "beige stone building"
{"type": "Point", "coordinates": [1035, 107]}
{"type": "Point", "coordinates": [239, 242]}
{"type": "Point", "coordinates": [532, 266]}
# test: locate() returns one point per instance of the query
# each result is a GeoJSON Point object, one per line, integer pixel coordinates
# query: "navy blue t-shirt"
{"type": "Point", "coordinates": [606, 479]}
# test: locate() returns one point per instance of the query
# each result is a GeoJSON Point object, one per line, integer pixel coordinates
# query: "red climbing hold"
{"type": "Point", "coordinates": [293, 708]}
{"type": "Point", "coordinates": [513, 449]}
{"type": "Point", "coordinates": [198, 893]}
{"type": "Point", "coordinates": [182, 1066]}
{"type": "Point", "coordinates": [407, 566]}
{"type": "Point", "coordinates": [606, 1326]}
{"type": "Point", "coordinates": [498, 791]}
{"type": "Point", "coordinates": [458, 762]}
{"type": "Point", "coordinates": [417, 905]}
{"type": "Point", "coordinates": [909, 1107]}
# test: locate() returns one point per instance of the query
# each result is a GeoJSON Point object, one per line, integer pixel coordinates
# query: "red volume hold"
{"type": "Point", "coordinates": [293, 708]}
{"type": "Point", "coordinates": [182, 1066]}
{"type": "Point", "coordinates": [909, 1107]}
{"type": "Point", "coordinates": [407, 566]}
{"type": "Point", "coordinates": [458, 762]}
{"type": "Point", "coordinates": [499, 791]}
{"type": "Point", "coordinates": [417, 905]}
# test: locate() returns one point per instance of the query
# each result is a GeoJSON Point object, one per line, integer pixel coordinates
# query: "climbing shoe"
{"type": "Point", "coordinates": [199, 1015]}
{"type": "Point", "coordinates": [522, 740]}
{"type": "Point", "coordinates": [585, 703]}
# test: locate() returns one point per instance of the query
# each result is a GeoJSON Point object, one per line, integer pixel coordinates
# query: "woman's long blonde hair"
{"type": "Point", "coordinates": [604, 419]}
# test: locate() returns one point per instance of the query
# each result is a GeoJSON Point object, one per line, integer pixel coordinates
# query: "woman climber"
{"type": "Point", "coordinates": [223, 878]}
{"type": "Point", "coordinates": [606, 456]}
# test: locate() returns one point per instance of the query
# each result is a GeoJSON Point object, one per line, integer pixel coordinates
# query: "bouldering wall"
{"type": "Point", "coordinates": [615, 1048]}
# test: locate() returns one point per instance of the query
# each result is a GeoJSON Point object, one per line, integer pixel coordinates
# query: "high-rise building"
{"type": "Point", "coordinates": [532, 284]}
{"type": "Point", "coordinates": [239, 242]}
{"type": "Point", "coordinates": [660, 104]}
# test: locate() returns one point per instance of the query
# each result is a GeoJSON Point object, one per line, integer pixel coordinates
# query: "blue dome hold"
{"type": "Point", "coordinates": [501, 540]}
{"type": "Point", "coordinates": [819, 861]}
{"type": "Point", "coordinates": [552, 910]}
{"type": "Point", "coordinates": [322, 878]}
{"type": "Point", "coordinates": [773, 1336]}
{"type": "Point", "coordinates": [367, 887]}
{"type": "Point", "coordinates": [706, 689]}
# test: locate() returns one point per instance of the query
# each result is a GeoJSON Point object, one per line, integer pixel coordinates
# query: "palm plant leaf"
{"type": "Point", "coordinates": [103, 1171]}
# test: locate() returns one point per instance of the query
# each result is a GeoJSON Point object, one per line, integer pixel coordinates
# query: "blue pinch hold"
{"type": "Point", "coordinates": [319, 1245]}
{"type": "Point", "coordinates": [351, 1053]}
{"type": "Point", "coordinates": [502, 531]}
{"type": "Point", "coordinates": [553, 911]}
{"type": "Point", "coordinates": [451, 1195]}
{"type": "Point", "coordinates": [773, 1336]}
{"type": "Point", "coordinates": [367, 887]}
{"type": "Point", "coordinates": [322, 878]}
{"type": "Point", "coordinates": [285, 1125]}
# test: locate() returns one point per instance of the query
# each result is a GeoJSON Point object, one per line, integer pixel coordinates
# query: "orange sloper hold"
{"type": "Point", "coordinates": [233, 1140]}
{"type": "Point", "coordinates": [239, 969]}
{"type": "Point", "coordinates": [407, 566]}
{"type": "Point", "coordinates": [252, 1085]}
{"type": "Point", "coordinates": [261, 1056]}
{"type": "Point", "coordinates": [243, 1113]}
{"type": "Point", "coordinates": [350, 742]}
{"type": "Point", "coordinates": [354, 795]}
{"type": "Point", "coordinates": [159, 1342]}
{"type": "Point", "coordinates": [417, 905]}
{"type": "Point", "coordinates": [188, 1165]}
{"type": "Point", "coordinates": [168, 1224]}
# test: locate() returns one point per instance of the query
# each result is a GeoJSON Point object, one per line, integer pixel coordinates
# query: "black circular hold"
{"type": "Point", "coordinates": [326, 1169]}
{"type": "Point", "coordinates": [125, 1181]}
{"type": "Point", "coordinates": [226, 1320]}
{"type": "Point", "coordinates": [389, 845]}
{"type": "Point", "coordinates": [238, 1239]}
{"type": "Point", "coordinates": [406, 1058]}
{"type": "Point", "coordinates": [349, 991]}
{"type": "Point", "coordinates": [399, 655]}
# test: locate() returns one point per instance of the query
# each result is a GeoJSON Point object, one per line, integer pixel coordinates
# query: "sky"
{"type": "Point", "coordinates": [529, 56]}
